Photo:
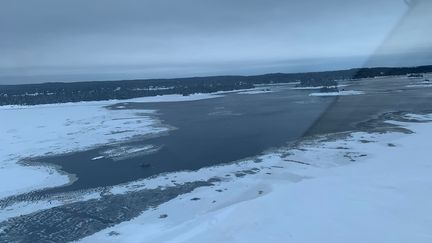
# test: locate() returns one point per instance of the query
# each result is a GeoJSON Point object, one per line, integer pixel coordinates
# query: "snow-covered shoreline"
{"type": "Point", "coordinates": [365, 187]}
{"type": "Point", "coordinates": [39, 130]}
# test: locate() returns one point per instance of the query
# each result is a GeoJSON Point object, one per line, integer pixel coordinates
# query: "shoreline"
{"type": "Point", "coordinates": [232, 178]}
{"type": "Point", "coordinates": [297, 173]}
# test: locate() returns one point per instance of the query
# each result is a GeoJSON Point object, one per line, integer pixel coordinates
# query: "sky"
{"type": "Point", "coordinates": [59, 40]}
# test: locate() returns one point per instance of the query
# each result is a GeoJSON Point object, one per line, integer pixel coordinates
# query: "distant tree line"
{"type": "Point", "coordinates": [45, 93]}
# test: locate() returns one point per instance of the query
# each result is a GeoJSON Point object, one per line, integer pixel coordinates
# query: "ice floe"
{"type": "Point", "coordinates": [123, 152]}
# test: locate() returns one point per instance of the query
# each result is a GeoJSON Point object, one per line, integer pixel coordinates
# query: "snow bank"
{"type": "Point", "coordinates": [380, 194]}
{"type": "Point", "coordinates": [340, 93]}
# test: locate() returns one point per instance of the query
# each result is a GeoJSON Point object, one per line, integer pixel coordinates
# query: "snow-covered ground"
{"type": "Point", "coordinates": [31, 131]}
{"type": "Point", "coordinates": [340, 93]}
{"type": "Point", "coordinates": [362, 188]}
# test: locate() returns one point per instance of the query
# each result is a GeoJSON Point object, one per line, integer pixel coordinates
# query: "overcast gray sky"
{"type": "Point", "coordinates": [59, 40]}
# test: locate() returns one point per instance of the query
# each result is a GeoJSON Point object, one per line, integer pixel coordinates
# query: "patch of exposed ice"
{"type": "Point", "coordinates": [340, 93]}
{"type": "Point", "coordinates": [27, 207]}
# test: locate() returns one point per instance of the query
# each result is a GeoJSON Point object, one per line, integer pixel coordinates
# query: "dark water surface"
{"type": "Point", "coordinates": [208, 132]}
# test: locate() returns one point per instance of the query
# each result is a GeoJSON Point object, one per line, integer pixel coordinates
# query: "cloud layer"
{"type": "Point", "coordinates": [52, 40]}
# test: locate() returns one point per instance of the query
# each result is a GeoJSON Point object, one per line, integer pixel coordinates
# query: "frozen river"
{"type": "Point", "coordinates": [206, 132]}
{"type": "Point", "coordinates": [221, 130]}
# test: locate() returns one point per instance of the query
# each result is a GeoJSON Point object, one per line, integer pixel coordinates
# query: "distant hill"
{"type": "Point", "coordinates": [46, 93]}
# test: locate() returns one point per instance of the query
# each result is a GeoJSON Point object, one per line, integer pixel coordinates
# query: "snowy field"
{"type": "Point", "coordinates": [361, 187]}
{"type": "Point", "coordinates": [31, 131]}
